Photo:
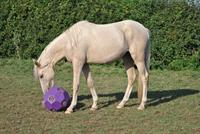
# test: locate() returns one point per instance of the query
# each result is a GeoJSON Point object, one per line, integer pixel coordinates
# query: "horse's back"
{"type": "Point", "coordinates": [128, 28]}
{"type": "Point", "coordinates": [106, 42]}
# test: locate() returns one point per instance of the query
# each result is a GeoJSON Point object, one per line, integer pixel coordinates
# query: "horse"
{"type": "Point", "coordinates": [85, 43]}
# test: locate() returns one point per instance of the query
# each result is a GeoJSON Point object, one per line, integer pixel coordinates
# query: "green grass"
{"type": "Point", "coordinates": [173, 102]}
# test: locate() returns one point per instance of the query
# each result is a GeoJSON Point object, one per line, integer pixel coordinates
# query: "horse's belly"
{"type": "Point", "coordinates": [105, 54]}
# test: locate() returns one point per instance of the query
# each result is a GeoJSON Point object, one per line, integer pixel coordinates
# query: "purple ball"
{"type": "Point", "coordinates": [56, 99]}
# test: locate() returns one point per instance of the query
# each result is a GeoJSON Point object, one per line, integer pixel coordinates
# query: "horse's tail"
{"type": "Point", "coordinates": [147, 64]}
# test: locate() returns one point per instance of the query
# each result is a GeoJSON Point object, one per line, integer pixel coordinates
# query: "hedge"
{"type": "Point", "coordinates": [27, 26]}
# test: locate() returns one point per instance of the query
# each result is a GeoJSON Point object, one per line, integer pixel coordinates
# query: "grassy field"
{"type": "Point", "coordinates": [173, 102]}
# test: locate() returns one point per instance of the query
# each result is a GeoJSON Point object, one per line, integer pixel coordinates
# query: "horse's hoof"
{"type": "Point", "coordinates": [141, 108]}
{"type": "Point", "coordinates": [93, 108]}
{"type": "Point", "coordinates": [120, 106]}
{"type": "Point", "coordinates": [68, 111]}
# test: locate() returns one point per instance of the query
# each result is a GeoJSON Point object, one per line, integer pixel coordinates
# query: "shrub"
{"type": "Point", "coordinates": [27, 26]}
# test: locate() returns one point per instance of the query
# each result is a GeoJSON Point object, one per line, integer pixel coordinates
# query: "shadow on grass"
{"type": "Point", "coordinates": [154, 97]}
{"type": "Point", "coordinates": [159, 97]}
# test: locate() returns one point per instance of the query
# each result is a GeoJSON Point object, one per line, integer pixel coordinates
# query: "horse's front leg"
{"type": "Point", "coordinates": [77, 68]}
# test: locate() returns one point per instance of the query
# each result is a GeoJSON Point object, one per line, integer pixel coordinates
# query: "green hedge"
{"type": "Point", "coordinates": [27, 26]}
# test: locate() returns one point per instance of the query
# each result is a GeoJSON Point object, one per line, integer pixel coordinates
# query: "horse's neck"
{"type": "Point", "coordinates": [54, 51]}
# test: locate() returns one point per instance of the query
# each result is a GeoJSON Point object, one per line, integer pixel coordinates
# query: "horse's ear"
{"type": "Point", "coordinates": [36, 63]}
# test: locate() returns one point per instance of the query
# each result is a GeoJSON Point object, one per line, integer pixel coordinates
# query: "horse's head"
{"type": "Point", "coordinates": [45, 74]}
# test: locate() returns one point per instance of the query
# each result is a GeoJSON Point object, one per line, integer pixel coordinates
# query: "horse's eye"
{"type": "Point", "coordinates": [41, 76]}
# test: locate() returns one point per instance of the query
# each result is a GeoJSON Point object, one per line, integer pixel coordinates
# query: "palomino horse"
{"type": "Point", "coordinates": [85, 43]}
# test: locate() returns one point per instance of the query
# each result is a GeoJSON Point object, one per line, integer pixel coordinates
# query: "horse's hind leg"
{"type": "Point", "coordinates": [88, 76]}
{"type": "Point", "coordinates": [131, 74]}
{"type": "Point", "coordinates": [143, 74]}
